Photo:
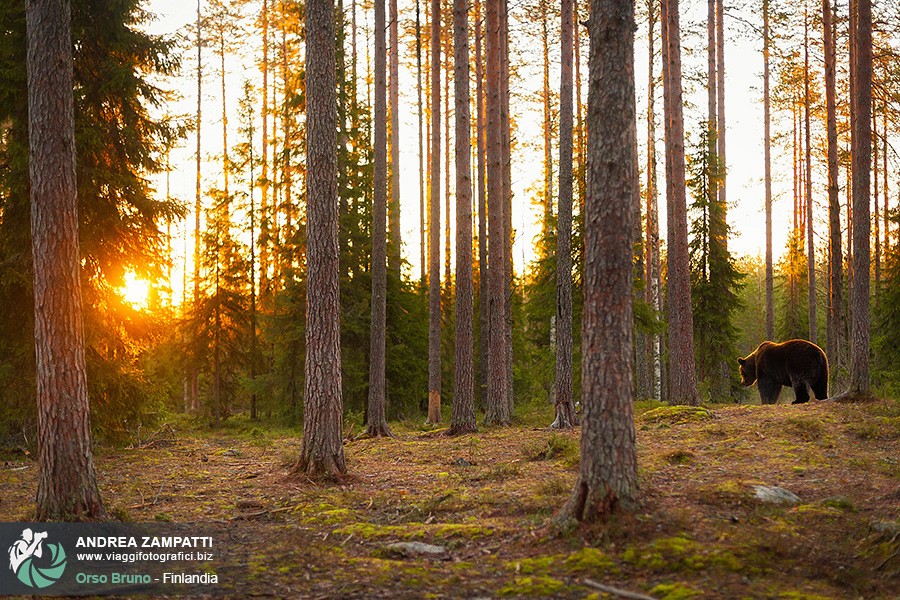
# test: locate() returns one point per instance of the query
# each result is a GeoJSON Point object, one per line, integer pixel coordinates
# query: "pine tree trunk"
{"type": "Point", "coordinates": [565, 403]}
{"type": "Point", "coordinates": [482, 209]}
{"type": "Point", "coordinates": [322, 454]}
{"type": "Point", "coordinates": [434, 224]}
{"type": "Point", "coordinates": [835, 256]}
{"type": "Point", "coordinates": [720, 99]}
{"type": "Point", "coordinates": [682, 373]}
{"type": "Point", "coordinates": [67, 484]}
{"type": "Point", "coordinates": [506, 163]}
{"type": "Point", "coordinates": [497, 406]}
{"type": "Point", "coordinates": [375, 411]}
{"type": "Point", "coordinates": [420, 115]}
{"type": "Point", "coordinates": [462, 418]}
{"type": "Point", "coordinates": [861, 149]}
{"type": "Point", "coordinates": [394, 91]}
{"type": "Point", "coordinates": [653, 283]}
{"type": "Point", "coordinates": [810, 241]}
{"type": "Point", "coordinates": [198, 208]}
{"type": "Point", "coordinates": [607, 478]}
{"type": "Point", "coordinates": [770, 279]}
{"type": "Point", "coordinates": [264, 182]}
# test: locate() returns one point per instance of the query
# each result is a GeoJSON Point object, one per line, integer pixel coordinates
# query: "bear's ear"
{"type": "Point", "coordinates": [742, 361]}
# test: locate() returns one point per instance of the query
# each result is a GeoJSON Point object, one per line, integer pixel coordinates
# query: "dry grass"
{"type": "Point", "coordinates": [698, 534]}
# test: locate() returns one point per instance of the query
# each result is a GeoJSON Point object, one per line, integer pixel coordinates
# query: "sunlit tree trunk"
{"type": "Point", "coordinates": [565, 403]}
{"type": "Point", "coordinates": [434, 224]}
{"type": "Point", "coordinates": [264, 182]}
{"type": "Point", "coordinates": [862, 145]}
{"type": "Point", "coordinates": [483, 278]}
{"type": "Point", "coordinates": [607, 478]}
{"type": "Point", "coordinates": [198, 209]}
{"type": "Point", "coordinates": [375, 412]}
{"type": "Point", "coordinates": [720, 99]}
{"type": "Point", "coordinates": [497, 406]}
{"type": "Point", "coordinates": [67, 484]}
{"type": "Point", "coordinates": [682, 373]}
{"type": "Point", "coordinates": [652, 276]}
{"type": "Point", "coordinates": [462, 418]}
{"type": "Point", "coordinates": [394, 91]}
{"type": "Point", "coordinates": [767, 143]}
{"type": "Point", "coordinates": [420, 115]}
{"type": "Point", "coordinates": [835, 255]}
{"type": "Point", "coordinates": [506, 164]}
{"type": "Point", "coordinates": [810, 241]}
{"type": "Point", "coordinates": [322, 454]}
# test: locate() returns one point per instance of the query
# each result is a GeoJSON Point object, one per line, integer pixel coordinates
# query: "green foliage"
{"type": "Point", "coordinates": [715, 280]}
{"type": "Point", "coordinates": [886, 327]}
{"type": "Point", "coordinates": [118, 143]}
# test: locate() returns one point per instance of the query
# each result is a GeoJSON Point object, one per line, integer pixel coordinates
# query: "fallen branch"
{"type": "Point", "coordinates": [268, 511]}
{"type": "Point", "coordinates": [616, 591]}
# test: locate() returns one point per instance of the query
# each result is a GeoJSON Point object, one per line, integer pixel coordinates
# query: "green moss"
{"type": "Point", "coordinates": [676, 415]}
{"type": "Point", "coordinates": [680, 457]}
{"type": "Point", "coordinates": [674, 591]}
{"type": "Point", "coordinates": [680, 554]}
{"type": "Point", "coordinates": [411, 531]}
{"type": "Point", "coordinates": [556, 446]}
{"type": "Point", "coordinates": [590, 559]}
{"type": "Point", "coordinates": [533, 586]}
{"type": "Point", "coordinates": [801, 596]}
{"type": "Point", "coordinates": [840, 502]}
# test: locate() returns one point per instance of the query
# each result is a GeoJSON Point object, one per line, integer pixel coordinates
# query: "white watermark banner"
{"type": "Point", "coordinates": [63, 559]}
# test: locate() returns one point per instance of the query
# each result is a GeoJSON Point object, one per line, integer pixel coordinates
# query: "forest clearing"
{"type": "Point", "coordinates": [489, 500]}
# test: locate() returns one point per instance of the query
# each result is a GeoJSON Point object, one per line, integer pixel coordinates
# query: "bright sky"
{"type": "Point", "coordinates": [743, 105]}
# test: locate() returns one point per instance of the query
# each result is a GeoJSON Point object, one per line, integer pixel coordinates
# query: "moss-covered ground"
{"type": "Point", "coordinates": [488, 499]}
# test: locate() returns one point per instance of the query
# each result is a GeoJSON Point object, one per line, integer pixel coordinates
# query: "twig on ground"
{"type": "Point", "coordinates": [617, 591]}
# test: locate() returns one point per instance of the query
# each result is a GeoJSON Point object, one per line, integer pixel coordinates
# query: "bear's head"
{"type": "Point", "coordinates": [748, 370]}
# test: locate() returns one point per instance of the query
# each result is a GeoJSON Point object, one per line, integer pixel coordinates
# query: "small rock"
{"type": "Point", "coordinates": [409, 549]}
{"type": "Point", "coordinates": [461, 462]}
{"type": "Point", "coordinates": [889, 528]}
{"type": "Point", "coordinates": [775, 495]}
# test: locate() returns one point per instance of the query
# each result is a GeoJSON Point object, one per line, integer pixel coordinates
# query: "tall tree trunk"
{"type": "Point", "coordinates": [548, 146]}
{"type": "Point", "coordinates": [810, 240]}
{"type": "Point", "coordinates": [770, 280]}
{"type": "Point", "coordinates": [682, 373]}
{"type": "Point", "coordinates": [67, 484]}
{"type": "Point", "coordinates": [447, 39]}
{"type": "Point", "coordinates": [607, 477]}
{"type": "Point", "coordinates": [720, 99]}
{"type": "Point", "coordinates": [876, 235]}
{"type": "Point", "coordinates": [375, 411]}
{"type": "Point", "coordinates": [420, 115]}
{"type": "Point", "coordinates": [434, 224]}
{"type": "Point", "coordinates": [835, 256]}
{"type": "Point", "coordinates": [253, 267]}
{"type": "Point", "coordinates": [653, 284]}
{"type": "Point", "coordinates": [482, 208]}
{"type": "Point", "coordinates": [862, 147]}
{"type": "Point", "coordinates": [322, 454]}
{"type": "Point", "coordinates": [264, 183]}
{"type": "Point", "coordinates": [506, 163]}
{"type": "Point", "coordinates": [462, 418]}
{"type": "Point", "coordinates": [394, 91]}
{"type": "Point", "coordinates": [198, 208]}
{"type": "Point", "coordinates": [497, 407]}
{"type": "Point", "coordinates": [565, 403]}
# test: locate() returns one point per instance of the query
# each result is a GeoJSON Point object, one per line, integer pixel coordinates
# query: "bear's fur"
{"type": "Point", "coordinates": [795, 363]}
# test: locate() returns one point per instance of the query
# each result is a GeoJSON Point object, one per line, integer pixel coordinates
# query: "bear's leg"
{"type": "Point", "coordinates": [801, 393]}
{"type": "Point", "coordinates": [820, 388]}
{"type": "Point", "coordinates": [768, 391]}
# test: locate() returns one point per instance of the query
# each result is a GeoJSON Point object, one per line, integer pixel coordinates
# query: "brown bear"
{"type": "Point", "coordinates": [796, 363]}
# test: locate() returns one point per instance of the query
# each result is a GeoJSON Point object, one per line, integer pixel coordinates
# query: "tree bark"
{"type": "Point", "coordinates": [565, 403]}
{"type": "Point", "coordinates": [67, 485]}
{"type": "Point", "coordinates": [462, 418]}
{"type": "Point", "coordinates": [835, 255]}
{"type": "Point", "coordinates": [322, 454]}
{"type": "Point", "coordinates": [653, 284]}
{"type": "Point", "coordinates": [810, 241]}
{"type": "Point", "coordinates": [506, 163]}
{"type": "Point", "coordinates": [394, 92]}
{"type": "Point", "coordinates": [861, 148]}
{"type": "Point", "coordinates": [198, 209]}
{"type": "Point", "coordinates": [434, 224]}
{"type": "Point", "coordinates": [497, 407]}
{"type": "Point", "coordinates": [607, 478]}
{"type": "Point", "coordinates": [682, 373]}
{"type": "Point", "coordinates": [720, 99]}
{"type": "Point", "coordinates": [420, 115]}
{"type": "Point", "coordinates": [376, 421]}
{"type": "Point", "coordinates": [770, 280]}
{"type": "Point", "coordinates": [483, 302]}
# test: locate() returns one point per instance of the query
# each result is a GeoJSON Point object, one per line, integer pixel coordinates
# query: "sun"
{"type": "Point", "coordinates": [136, 291]}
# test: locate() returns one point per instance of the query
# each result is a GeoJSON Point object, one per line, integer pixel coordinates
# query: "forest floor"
{"type": "Point", "coordinates": [487, 500]}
